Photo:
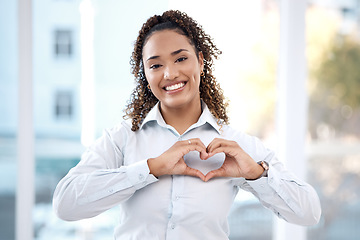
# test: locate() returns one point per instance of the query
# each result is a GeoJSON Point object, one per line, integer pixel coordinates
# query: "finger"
{"type": "Point", "coordinates": [204, 155]}
{"type": "Point", "coordinates": [229, 151]}
{"type": "Point", "coordinates": [217, 142]}
{"type": "Point", "coordinates": [215, 173]}
{"type": "Point", "coordinates": [220, 142]}
{"type": "Point", "coordinates": [212, 143]}
{"type": "Point", "coordinates": [195, 141]}
{"type": "Point", "coordinates": [189, 148]}
{"type": "Point", "coordinates": [209, 176]}
{"type": "Point", "coordinates": [196, 144]}
{"type": "Point", "coordinates": [194, 172]}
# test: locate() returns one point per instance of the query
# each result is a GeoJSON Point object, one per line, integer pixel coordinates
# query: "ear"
{"type": "Point", "coordinates": [201, 61]}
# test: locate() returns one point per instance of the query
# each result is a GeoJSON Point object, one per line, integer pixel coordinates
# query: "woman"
{"type": "Point", "coordinates": [176, 165]}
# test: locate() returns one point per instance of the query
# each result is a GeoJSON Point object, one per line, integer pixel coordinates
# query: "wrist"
{"type": "Point", "coordinates": [152, 167]}
{"type": "Point", "coordinates": [261, 171]}
{"type": "Point", "coordinates": [256, 173]}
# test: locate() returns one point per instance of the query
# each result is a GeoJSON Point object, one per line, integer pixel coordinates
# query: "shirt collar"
{"type": "Point", "coordinates": [206, 117]}
{"type": "Point", "coordinates": [154, 115]}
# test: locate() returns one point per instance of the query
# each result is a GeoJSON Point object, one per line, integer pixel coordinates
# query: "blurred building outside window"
{"type": "Point", "coordinates": [64, 105]}
{"type": "Point", "coordinates": [63, 43]}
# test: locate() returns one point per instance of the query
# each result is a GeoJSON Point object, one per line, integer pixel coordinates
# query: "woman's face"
{"type": "Point", "coordinates": [172, 69]}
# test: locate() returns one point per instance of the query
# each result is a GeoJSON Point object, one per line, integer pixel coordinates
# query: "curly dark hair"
{"type": "Point", "coordinates": [142, 99]}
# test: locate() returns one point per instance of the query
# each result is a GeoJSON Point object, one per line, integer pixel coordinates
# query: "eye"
{"type": "Point", "coordinates": [181, 59]}
{"type": "Point", "coordinates": [155, 66]}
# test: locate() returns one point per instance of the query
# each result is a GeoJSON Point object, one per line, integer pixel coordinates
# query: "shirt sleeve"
{"type": "Point", "coordinates": [289, 197]}
{"type": "Point", "coordinates": [99, 181]}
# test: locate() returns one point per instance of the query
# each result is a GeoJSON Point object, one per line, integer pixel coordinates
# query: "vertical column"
{"type": "Point", "coordinates": [292, 101]}
{"type": "Point", "coordinates": [87, 72]}
{"type": "Point", "coordinates": [25, 135]}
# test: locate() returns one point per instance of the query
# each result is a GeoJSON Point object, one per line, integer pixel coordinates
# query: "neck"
{"type": "Point", "coordinates": [182, 118]}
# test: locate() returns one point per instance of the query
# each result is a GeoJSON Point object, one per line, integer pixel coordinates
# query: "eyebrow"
{"type": "Point", "coordinates": [172, 54]}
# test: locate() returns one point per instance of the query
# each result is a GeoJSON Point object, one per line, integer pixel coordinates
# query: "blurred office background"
{"type": "Point", "coordinates": [81, 81]}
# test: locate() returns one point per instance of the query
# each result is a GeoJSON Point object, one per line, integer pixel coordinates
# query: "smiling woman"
{"type": "Point", "coordinates": [176, 167]}
{"type": "Point", "coordinates": [196, 40]}
{"type": "Point", "coordinates": [173, 69]}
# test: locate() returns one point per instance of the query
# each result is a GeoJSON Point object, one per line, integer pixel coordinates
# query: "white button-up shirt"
{"type": "Point", "coordinates": [114, 171]}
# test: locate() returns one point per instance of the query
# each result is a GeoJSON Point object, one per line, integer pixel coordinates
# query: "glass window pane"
{"type": "Point", "coordinates": [64, 105]}
{"type": "Point", "coordinates": [334, 116]}
{"type": "Point", "coordinates": [63, 43]}
{"type": "Point", "coordinates": [8, 117]}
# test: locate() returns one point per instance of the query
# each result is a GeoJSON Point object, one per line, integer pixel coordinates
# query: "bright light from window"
{"type": "Point", "coordinates": [87, 72]}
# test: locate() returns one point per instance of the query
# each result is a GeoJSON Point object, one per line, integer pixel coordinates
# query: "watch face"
{"type": "Point", "coordinates": [264, 164]}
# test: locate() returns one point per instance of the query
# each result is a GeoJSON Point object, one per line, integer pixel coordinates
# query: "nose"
{"type": "Point", "coordinates": [171, 73]}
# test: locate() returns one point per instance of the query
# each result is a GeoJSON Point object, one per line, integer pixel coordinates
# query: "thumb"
{"type": "Point", "coordinates": [194, 172]}
{"type": "Point", "coordinates": [215, 173]}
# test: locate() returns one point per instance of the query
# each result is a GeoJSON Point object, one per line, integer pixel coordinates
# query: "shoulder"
{"type": "Point", "coordinates": [116, 135]}
{"type": "Point", "coordinates": [123, 128]}
{"type": "Point", "coordinates": [251, 144]}
{"type": "Point", "coordinates": [232, 133]}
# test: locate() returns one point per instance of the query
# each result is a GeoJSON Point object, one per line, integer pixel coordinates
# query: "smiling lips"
{"type": "Point", "coordinates": [175, 86]}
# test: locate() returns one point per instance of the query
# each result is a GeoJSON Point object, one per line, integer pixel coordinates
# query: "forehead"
{"type": "Point", "coordinates": [165, 42]}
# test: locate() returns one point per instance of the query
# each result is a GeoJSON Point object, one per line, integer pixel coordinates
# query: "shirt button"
{"type": "Point", "coordinates": [177, 198]}
{"type": "Point", "coordinates": [141, 177]}
{"type": "Point", "coordinates": [172, 226]}
{"type": "Point", "coordinates": [111, 190]}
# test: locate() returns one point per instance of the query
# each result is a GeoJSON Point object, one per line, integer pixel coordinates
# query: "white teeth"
{"type": "Point", "coordinates": [175, 86]}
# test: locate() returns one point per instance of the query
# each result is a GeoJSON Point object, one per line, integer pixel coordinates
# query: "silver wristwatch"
{"type": "Point", "coordinates": [265, 166]}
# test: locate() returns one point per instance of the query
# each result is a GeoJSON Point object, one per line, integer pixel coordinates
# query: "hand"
{"type": "Point", "coordinates": [172, 161]}
{"type": "Point", "coordinates": [237, 162]}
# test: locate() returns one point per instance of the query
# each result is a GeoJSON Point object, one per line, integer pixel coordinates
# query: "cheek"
{"type": "Point", "coordinates": [147, 75]}
{"type": "Point", "coordinates": [151, 77]}
{"type": "Point", "coordinates": [154, 80]}
{"type": "Point", "coordinates": [197, 78]}
{"type": "Point", "coordinates": [193, 72]}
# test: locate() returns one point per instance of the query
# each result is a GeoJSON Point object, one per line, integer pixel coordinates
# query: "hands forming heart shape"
{"type": "Point", "coordinates": [237, 162]}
